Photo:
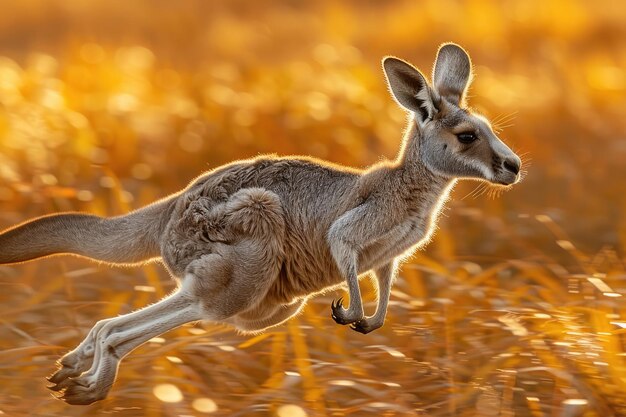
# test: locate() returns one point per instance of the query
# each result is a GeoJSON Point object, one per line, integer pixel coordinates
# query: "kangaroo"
{"type": "Point", "coordinates": [251, 241]}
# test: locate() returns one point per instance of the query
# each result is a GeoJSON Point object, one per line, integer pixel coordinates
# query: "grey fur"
{"type": "Point", "coordinates": [251, 241]}
{"type": "Point", "coordinates": [452, 73]}
{"type": "Point", "coordinates": [409, 88]}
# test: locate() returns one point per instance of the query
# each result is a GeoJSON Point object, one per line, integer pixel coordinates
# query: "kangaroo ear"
{"type": "Point", "coordinates": [452, 73]}
{"type": "Point", "coordinates": [409, 88]}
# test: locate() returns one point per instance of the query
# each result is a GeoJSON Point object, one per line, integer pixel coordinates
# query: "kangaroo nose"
{"type": "Point", "coordinates": [512, 164]}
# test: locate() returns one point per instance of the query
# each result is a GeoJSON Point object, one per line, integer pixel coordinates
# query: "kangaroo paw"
{"type": "Point", "coordinates": [365, 326]}
{"type": "Point", "coordinates": [72, 365]}
{"type": "Point", "coordinates": [341, 315]}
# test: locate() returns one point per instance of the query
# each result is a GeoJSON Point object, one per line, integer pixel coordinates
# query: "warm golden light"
{"type": "Point", "coordinates": [290, 410]}
{"type": "Point", "coordinates": [517, 304]}
{"type": "Point", "coordinates": [204, 405]}
{"type": "Point", "coordinates": [168, 393]}
{"type": "Point", "coordinates": [575, 401]}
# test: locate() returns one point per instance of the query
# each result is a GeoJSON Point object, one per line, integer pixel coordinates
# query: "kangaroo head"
{"type": "Point", "coordinates": [453, 141]}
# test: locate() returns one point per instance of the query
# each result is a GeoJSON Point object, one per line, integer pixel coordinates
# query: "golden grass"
{"type": "Point", "coordinates": [514, 309]}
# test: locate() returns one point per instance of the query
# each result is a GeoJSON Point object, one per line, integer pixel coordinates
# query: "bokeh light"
{"type": "Point", "coordinates": [168, 393]}
{"type": "Point", "coordinates": [515, 308]}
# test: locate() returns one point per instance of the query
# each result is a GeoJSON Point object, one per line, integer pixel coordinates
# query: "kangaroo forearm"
{"type": "Point", "coordinates": [346, 258]}
{"type": "Point", "coordinates": [384, 278]}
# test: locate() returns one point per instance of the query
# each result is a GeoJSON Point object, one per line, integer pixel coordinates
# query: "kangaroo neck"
{"type": "Point", "coordinates": [409, 153]}
{"type": "Point", "coordinates": [417, 176]}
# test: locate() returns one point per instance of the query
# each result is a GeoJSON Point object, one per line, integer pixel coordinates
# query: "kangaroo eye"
{"type": "Point", "coordinates": [466, 137]}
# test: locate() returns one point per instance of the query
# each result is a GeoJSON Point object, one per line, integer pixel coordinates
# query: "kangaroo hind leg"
{"type": "Point", "coordinates": [237, 275]}
{"type": "Point", "coordinates": [112, 339]}
{"type": "Point", "coordinates": [231, 279]}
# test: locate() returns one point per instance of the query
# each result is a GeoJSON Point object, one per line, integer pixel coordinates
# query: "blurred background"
{"type": "Point", "coordinates": [515, 308]}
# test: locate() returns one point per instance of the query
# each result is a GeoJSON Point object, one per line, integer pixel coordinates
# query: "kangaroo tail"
{"type": "Point", "coordinates": [128, 239]}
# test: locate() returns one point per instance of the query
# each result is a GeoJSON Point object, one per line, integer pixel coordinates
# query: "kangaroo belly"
{"type": "Point", "coordinates": [265, 315]}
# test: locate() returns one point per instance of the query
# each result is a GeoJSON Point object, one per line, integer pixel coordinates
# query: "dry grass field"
{"type": "Point", "coordinates": [515, 309]}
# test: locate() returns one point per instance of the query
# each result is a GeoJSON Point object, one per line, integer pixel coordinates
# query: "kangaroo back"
{"type": "Point", "coordinates": [128, 239]}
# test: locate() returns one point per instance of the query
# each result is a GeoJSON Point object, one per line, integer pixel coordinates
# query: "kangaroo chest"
{"type": "Point", "coordinates": [394, 243]}
{"type": "Point", "coordinates": [410, 234]}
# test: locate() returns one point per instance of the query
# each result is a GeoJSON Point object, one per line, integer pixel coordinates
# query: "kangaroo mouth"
{"type": "Point", "coordinates": [506, 179]}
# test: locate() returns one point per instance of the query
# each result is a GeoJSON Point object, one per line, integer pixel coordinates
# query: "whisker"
{"type": "Point", "coordinates": [523, 173]}
{"type": "Point", "coordinates": [495, 192]}
{"type": "Point", "coordinates": [523, 156]}
{"type": "Point", "coordinates": [526, 160]}
{"type": "Point", "coordinates": [500, 128]}
{"type": "Point", "coordinates": [499, 123]}
{"type": "Point", "coordinates": [510, 114]}
{"type": "Point", "coordinates": [481, 190]}
{"type": "Point", "coordinates": [473, 191]}
{"type": "Point", "coordinates": [504, 116]}
{"type": "Point", "coordinates": [485, 187]}
{"type": "Point", "coordinates": [505, 123]}
{"type": "Point", "coordinates": [496, 118]}
{"type": "Point", "coordinates": [505, 120]}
